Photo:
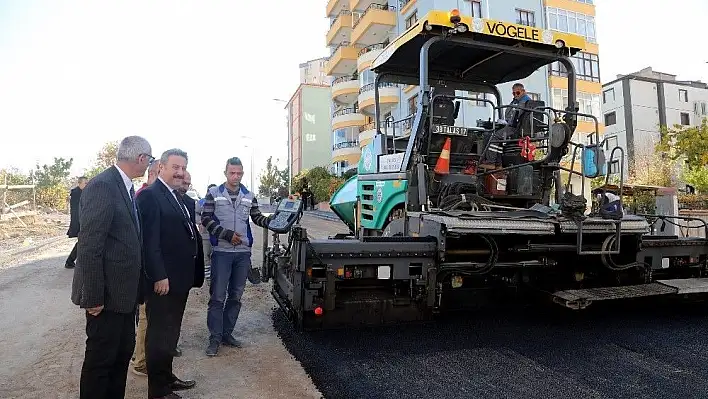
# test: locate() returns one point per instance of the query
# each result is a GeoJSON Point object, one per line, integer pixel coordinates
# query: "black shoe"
{"type": "Point", "coordinates": [231, 341]}
{"type": "Point", "coordinates": [180, 385]}
{"type": "Point", "coordinates": [213, 348]}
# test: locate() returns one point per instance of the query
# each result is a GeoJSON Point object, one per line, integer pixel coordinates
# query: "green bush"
{"type": "Point", "coordinates": [693, 201]}
{"type": "Point", "coordinates": [321, 183]}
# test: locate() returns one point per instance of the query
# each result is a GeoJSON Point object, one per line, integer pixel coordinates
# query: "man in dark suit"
{"type": "Point", "coordinates": [108, 269]}
{"type": "Point", "coordinates": [73, 232]}
{"type": "Point", "coordinates": [174, 265]}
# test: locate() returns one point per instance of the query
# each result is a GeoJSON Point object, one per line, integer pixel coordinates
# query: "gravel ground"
{"type": "Point", "coordinates": [14, 235]}
{"type": "Point", "coordinates": [642, 350]}
{"type": "Point", "coordinates": [43, 336]}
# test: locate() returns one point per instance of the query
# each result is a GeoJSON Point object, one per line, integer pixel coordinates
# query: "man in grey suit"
{"type": "Point", "coordinates": [108, 272]}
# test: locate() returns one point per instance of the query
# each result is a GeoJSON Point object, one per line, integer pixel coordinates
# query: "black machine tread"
{"type": "Point", "coordinates": [609, 293]}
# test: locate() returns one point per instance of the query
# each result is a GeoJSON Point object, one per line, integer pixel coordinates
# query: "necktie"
{"type": "Point", "coordinates": [183, 208]}
{"type": "Point", "coordinates": [135, 207]}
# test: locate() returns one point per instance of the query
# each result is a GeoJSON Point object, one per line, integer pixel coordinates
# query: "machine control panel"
{"type": "Point", "coordinates": [288, 212]}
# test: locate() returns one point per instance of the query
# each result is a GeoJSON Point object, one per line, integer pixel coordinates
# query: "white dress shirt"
{"type": "Point", "coordinates": [179, 203]}
{"type": "Point", "coordinates": [126, 180]}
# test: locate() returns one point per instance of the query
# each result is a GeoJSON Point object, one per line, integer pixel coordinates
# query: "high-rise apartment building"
{"type": "Point", "coordinates": [313, 72]}
{"type": "Point", "coordinates": [634, 106]}
{"type": "Point", "coordinates": [360, 29]}
{"type": "Point", "coordinates": [309, 132]}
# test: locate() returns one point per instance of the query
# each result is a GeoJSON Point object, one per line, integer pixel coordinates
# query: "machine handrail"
{"type": "Point", "coordinates": [703, 224]}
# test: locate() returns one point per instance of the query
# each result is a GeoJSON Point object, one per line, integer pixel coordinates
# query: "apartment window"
{"type": "Point", "coordinates": [614, 168]}
{"type": "Point", "coordinates": [611, 143]}
{"type": "Point", "coordinates": [610, 119]}
{"type": "Point", "coordinates": [412, 104]}
{"type": "Point", "coordinates": [683, 95]}
{"type": "Point", "coordinates": [412, 19]}
{"type": "Point", "coordinates": [534, 96]}
{"type": "Point", "coordinates": [608, 95]}
{"type": "Point", "coordinates": [480, 96]}
{"type": "Point", "coordinates": [587, 67]}
{"type": "Point", "coordinates": [476, 8]}
{"type": "Point", "coordinates": [524, 17]}
{"type": "Point", "coordinates": [685, 120]}
{"type": "Point", "coordinates": [588, 103]}
{"type": "Point", "coordinates": [571, 22]}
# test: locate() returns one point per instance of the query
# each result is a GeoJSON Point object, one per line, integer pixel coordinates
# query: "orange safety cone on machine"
{"type": "Point", "coordinates": [442, 167]}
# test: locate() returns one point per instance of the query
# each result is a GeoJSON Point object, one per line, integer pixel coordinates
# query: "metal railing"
{"type": "Point", "coordinates": [373, 47]}
{"type": "Point", "coordinates": [343, 12]}
{"type": "Point", "coordinates": [343, 79]}
{"type": "Point", "coordinates": [345, 144]}
{"type": "Point", "coordinates": [370, 86]}
{"type": "Point", "coordinates": [403, 3]}
{"type": "Point", "coordinates": [373, 6]}
{"type": "Point", "coordinates": [345, 111]}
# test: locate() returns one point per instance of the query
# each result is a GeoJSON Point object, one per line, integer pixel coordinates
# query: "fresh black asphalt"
{"type": "Point", "coordinates": [645, 350]}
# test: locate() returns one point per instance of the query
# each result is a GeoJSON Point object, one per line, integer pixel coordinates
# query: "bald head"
{"type": "Point", "coordinates": [186, 183]}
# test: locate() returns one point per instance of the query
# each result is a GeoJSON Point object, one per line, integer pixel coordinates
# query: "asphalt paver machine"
{"type": "Point", "coordinates": [430, 229]}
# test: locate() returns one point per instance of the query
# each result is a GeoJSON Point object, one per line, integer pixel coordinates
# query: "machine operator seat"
{"type": "Point", "coordinates": [445, 111]}
{"type": "Point", "coordinates": [531, 123]}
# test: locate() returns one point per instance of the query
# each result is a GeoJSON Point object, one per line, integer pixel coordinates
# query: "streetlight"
{"type": "Point", "coordinates": [253, 154]}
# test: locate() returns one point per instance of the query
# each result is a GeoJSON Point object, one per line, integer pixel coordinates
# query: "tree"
{"type": "Point", "coordinates": [690, 145]}
{"type": "Point", "coordinates": [105, 158]}
{"type": "Point", "coordinates": [271, 179]}
{"type": "Point", "coordinates": [54, 174]}
{"type": "Point", "coordinates": [284, 177]}
{"type": "Point", "coordinates": [14, 177]}
{"type": "Point", "coordinates": [686, 142]}
{"type": "Point", "coordinates": [349, 173]}
{"type": "Point", "coordinates": [698, 178]}
{"type": "Point", "coordinates": [53, 183]}
{"type": "Point", "coordinates": [321, 182]}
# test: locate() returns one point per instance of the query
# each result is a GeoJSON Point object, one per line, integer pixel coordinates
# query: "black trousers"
{"type": "Point", "coordinates": [72, 256]}
{"type": "Point", "coordinates": [164, 322]}
{"type": "Point", "coordinates": [109, 345]}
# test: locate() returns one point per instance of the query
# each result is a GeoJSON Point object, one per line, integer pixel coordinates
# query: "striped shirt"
{"type": "Point", "coordinates": [213, 227]}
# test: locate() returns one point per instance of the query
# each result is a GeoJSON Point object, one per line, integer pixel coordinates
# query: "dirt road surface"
{"type": "Point", "coordinates": [43, 336]}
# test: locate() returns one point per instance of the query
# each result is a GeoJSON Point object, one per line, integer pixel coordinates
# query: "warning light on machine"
{"type": "Point", "coordinates": [318, 311]}
{"type": "Point", "coordinates": [455, 16]}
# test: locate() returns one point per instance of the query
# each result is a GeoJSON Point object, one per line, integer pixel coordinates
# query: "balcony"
{"type": "Point", "coordinates": [345, 89]}
{"type": "Point", "coordinates": [374, 24]}
{"type": "Point", "coordinates": [361, 5]}
{"type": "Point", "coordinates": [341, 29]}
{"type": "Point", "coordinates": [334, 7]}
{"type": "Point", "coordinates": [367, 134]}
{"type": "Point", "coordinates": [389, 95]}
{"type": "Point", "coordinates": [342, 61]}
{"type": "Point", "coordinates": [346, 151]}
{"type": "Point", "coordinates": [347, 117]}
{"type": "Point", "coordinates": [368, 54]}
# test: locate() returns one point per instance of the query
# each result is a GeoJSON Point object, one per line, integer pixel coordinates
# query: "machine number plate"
{"type": "Point", "coordinates": [450, 130]}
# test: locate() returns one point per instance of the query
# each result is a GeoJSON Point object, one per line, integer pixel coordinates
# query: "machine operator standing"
{"type": "Point", "coordinates": [225, 215]}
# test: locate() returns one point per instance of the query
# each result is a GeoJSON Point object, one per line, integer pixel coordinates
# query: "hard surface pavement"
{"type": "Point", "coordinates": [657, 351]}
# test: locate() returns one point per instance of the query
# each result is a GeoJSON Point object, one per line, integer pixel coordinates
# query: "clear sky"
{"type": "Point", "coordinates": [200, 75]}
